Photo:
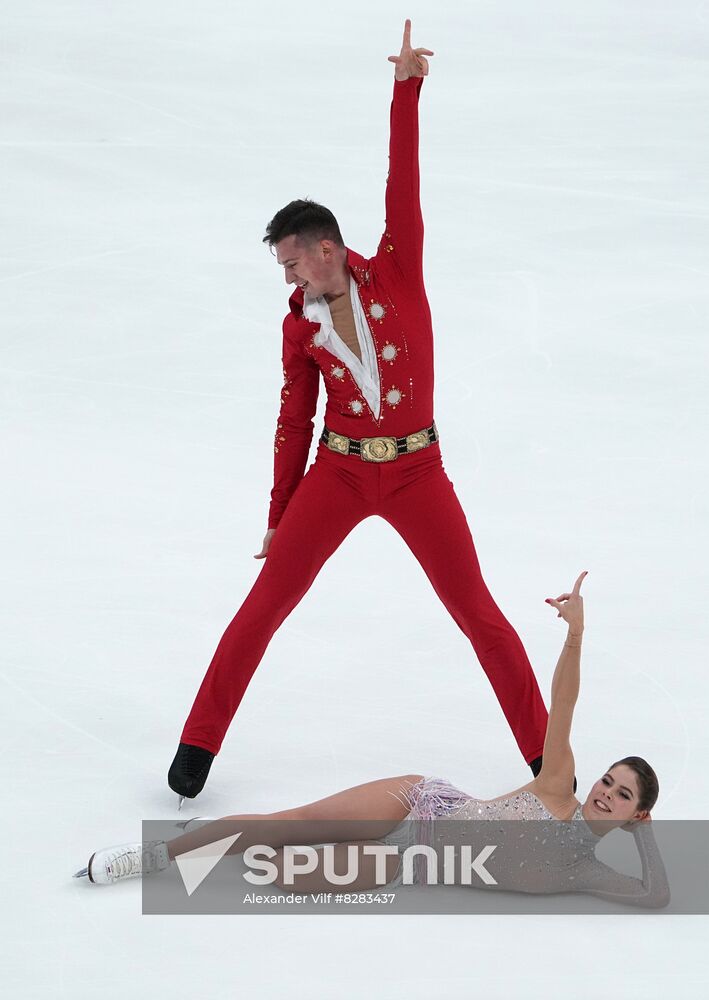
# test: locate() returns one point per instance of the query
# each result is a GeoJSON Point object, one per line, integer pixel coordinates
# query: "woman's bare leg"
{"type": "Point", "coordinates": [365, 812]}
{"type": "Point", "coordinates": [316, 881]}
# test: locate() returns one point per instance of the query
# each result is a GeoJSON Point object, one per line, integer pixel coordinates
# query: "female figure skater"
{"type": "Point", "coordinates": [382, 811]}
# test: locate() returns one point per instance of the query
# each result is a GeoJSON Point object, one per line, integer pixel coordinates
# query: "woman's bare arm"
{"type": "Point", "coordinates": [556, 777]}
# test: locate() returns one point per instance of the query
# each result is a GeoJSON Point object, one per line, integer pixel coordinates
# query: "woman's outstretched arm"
{"type": "Point", "coordinates": [556, 777]}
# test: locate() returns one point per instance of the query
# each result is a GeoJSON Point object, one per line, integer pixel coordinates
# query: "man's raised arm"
{"type": "Point", "coordinates": [402, 242]}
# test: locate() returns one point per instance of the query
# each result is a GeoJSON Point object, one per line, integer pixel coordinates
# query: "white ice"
{"type": "Point", "coordinates": [145, 145]}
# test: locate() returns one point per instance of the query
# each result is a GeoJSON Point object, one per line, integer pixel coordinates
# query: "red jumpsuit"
{"type": "Point", "coordinates": [316, 511]}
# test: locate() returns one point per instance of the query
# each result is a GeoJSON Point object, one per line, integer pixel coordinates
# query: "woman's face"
{"type": "Point", "coordinates": [614, 798]}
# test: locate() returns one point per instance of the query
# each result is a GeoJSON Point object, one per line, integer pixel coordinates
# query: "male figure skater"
{"type": "Point", "coordinates": [365, 326]}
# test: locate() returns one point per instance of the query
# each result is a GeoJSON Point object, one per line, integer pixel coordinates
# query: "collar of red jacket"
{"type": "Point", "coordinates": [358, 269]}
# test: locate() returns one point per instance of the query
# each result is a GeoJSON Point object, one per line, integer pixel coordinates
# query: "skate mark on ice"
{"type": "Point", "coordinates": [65, 263]}
{"type": "Point", "coordinates": [130, 385]}
{"type": "Point", "coordinates": [90, 85]}
{"type": "Point", "coordinates": [66, 722]}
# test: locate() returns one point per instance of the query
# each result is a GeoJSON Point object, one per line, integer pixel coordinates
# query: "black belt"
{"type": "Point", "coordinates": [379, 449]}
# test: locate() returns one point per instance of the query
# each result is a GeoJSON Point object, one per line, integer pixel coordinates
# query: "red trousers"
{"type": "Point", "coordinates": [415, 496]}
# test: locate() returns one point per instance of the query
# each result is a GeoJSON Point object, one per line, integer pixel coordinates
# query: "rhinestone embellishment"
{"type": "Point", "coordinates": [338, 371]}
{"type": "Point", "coordinates": [280, 437]}
{"type": "Point", "coordinates": [389, 352]}
{"type": "Point", "coordinates": [393, 396]}
{"type": "Point", "coordinates": [355, 405]}
{"type": "Point", "coordinates": [377, 310]}
{"type": "Point", "coordinates": [362, 273]}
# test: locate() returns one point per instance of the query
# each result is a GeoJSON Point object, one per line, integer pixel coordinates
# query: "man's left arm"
{"type": "Point", "coordinates": [402, 241]}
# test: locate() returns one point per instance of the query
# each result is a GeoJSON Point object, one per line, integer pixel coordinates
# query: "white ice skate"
{"type": "Point", "coordinates": [114, 864]}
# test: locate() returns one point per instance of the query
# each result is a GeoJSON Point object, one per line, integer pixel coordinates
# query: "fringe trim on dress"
{"type": "Point", "coordinates": [428, 800]}
{"type": "Point", "coordinates": [433, 797]}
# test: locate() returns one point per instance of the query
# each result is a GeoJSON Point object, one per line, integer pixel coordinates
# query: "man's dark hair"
{"type": "Point", "coordinates": [305, 219]}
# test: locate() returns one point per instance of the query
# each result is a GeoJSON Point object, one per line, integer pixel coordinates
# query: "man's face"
{"type": "Point", "coordinates": [312, 266]}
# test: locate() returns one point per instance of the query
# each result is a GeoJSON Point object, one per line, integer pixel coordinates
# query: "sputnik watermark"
{"type": "Point", "coordinates": [459, 865]}
{"type": "Point", "coordinates": [240, 865]}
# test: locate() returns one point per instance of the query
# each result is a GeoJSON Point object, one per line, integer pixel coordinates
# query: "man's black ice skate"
{"type": "Point", "coordinates": [536, 766]}
{"type": "Point", "coordinates": [188, 771]}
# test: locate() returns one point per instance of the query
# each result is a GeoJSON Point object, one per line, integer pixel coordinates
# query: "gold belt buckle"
{"type": "Point", "coordinates": [338, 443]}
{"type": "Point", "coordinates": [379, 449]}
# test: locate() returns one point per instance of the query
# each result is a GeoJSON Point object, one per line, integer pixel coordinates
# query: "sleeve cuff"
{"type": "Point", "coordinates": [412, 81]}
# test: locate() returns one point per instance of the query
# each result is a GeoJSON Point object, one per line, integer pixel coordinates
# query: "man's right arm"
{"type": "Point", "coordinates": [294, 428]}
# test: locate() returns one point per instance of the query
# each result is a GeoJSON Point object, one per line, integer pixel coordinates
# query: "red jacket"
{"type": "Point", "coordinates": [391, 289]}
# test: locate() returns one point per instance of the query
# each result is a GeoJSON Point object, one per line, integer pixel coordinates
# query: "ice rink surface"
{"type": "Point", "coordinates": [145, 145]}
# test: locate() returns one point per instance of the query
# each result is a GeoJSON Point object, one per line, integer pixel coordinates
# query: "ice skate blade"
{"type": "Point", "coordinates": [179, 804]}
{"type": "Point", "coordinates": [82, 873]}
{"type": "Point", "coordinates": [184, 823]}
